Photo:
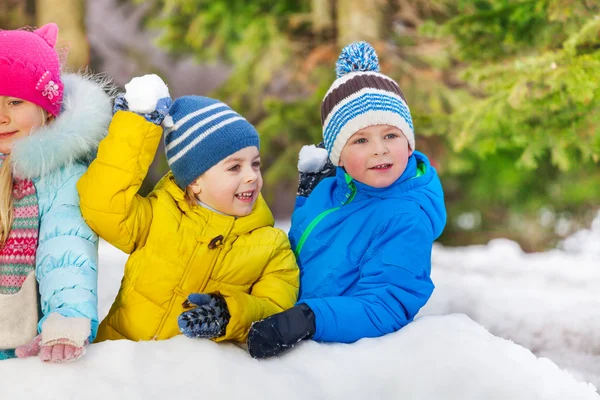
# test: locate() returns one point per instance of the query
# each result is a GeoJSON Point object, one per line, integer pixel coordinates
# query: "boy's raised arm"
{"type": "Point", "coordinates": [108, 190]}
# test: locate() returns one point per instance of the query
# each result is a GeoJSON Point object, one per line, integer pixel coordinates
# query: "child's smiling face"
{"type": "Point", "coordinates": [376, 155]}
{"type": "Point", "coordinates": [232, 186]}
{"type": "Point", "coordinates": [18, 118]}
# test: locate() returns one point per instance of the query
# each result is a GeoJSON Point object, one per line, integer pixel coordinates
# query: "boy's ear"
{"type": "Point", "coordinates": [196, 186]}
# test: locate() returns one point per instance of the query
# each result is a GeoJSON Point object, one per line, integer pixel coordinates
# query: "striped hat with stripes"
{"type": "Point", "coordinates": [200, 133]}
{"type": "Point", "coordinates": [360, 97]}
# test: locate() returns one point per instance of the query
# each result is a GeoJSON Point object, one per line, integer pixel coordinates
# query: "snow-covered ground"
{"type": "Point", "coordinates": [547, 302]}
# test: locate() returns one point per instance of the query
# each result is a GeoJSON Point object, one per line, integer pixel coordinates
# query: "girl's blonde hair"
{"type": "Point", "coordinates": [6, 191]}
{"type": "Point", "coordinates": [6, 199]}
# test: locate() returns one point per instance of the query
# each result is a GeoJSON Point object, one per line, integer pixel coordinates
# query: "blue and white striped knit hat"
{"type": "Point", "coordinates": [361, 96]}
{"type": "Point", "coordinates": [200, 133]}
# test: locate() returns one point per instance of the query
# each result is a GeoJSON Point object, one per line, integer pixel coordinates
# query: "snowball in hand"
{"type": "Point", "coordinates": [142, 93]}
{"type": "Point", "coordinates": [311, 159]}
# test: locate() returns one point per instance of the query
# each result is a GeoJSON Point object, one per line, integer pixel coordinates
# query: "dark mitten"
{"type": "Point", "coordinates": [197, 299]}
{"type": "Point", "coordinates": [281, 332]}
{"type": "Point", "coordinates": [208, 319]}
{"type": "Point", "coordinates": [314, 166]}
{"type": "Point", "coordinates": [120, 104]}
{"type": "Point", "coordinates": [162, 109]}
{"type": "Point", "coordinates": [156, 116]}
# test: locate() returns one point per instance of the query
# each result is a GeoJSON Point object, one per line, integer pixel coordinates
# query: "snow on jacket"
{"type": "Point", "coordinates": [54, 158]}
{"type": "Point", "coordinates": [365, 253]}
{"type": "Point", "coordinates": [177, 249]}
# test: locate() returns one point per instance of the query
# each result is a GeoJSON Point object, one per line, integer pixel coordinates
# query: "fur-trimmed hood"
{"type": "Point", "coordinates": [73, 136]}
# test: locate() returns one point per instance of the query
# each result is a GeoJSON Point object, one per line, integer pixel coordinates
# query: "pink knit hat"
{"type": "Point", "coordinates": [29, 67]}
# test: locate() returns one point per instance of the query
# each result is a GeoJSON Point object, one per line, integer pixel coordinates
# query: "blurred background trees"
{"type": "Point", "coordinates": [68, 14]}
{"type": "Point", "coordinates": [504, 94]}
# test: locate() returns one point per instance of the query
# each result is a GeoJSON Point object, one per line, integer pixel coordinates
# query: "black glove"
{"type": "Point", "coordinates": [281, 332]}
{"type": "Point", "coordinates": [207, 320]}
{"type": "Point", "coordinates": [314, 166]}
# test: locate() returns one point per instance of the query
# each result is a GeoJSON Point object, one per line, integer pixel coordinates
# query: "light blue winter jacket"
{"type": "Point", "coordinates": [54, 158]}
{"type": "Point", "coordinates": [365, 253]}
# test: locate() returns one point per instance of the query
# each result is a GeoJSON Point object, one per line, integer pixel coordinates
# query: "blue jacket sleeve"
{"type": "Point", "coordinates": [67, 254]}
{"type": "Point", "coordinates": [394, 284]}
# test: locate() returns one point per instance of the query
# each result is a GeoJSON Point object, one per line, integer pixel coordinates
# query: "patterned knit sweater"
{"type": "Point", "coordinates": [17, 254]}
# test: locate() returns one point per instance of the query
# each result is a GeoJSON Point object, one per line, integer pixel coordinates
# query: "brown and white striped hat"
{"type": "Point", "coordinates": [361, 96]}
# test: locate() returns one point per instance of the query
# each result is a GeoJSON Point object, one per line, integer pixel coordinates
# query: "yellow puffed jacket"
{"type": "Point", "coordinates": [177, 249]}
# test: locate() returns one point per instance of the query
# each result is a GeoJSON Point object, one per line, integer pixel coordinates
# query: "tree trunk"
{"type": "Point", "coordinates": [322, 16]}
{"type": "Point", "coordinates": [15, 14]}
{"type": "Point", "coordinates": [69, 15]}
{"type": "Point", "coordinates": [359, 20]}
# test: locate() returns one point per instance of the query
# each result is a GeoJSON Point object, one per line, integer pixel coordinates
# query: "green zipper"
{"type": "Point", "coordinates": [319, 218]}
{"type": "Point", "coordinates": [421, 169]}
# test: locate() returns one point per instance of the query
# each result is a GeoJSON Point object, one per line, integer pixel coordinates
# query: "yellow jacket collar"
{"type": "Point", "coordinates": [218, 224]}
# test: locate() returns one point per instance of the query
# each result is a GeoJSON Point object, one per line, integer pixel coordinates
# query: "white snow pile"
{"type": "Point", "coordinates": [544, 301]}
{"type": "Point", "coordinates": [445, 357]}
{"type": "Point", "coordinates": [548, 302]}
{"type": "Point", "coordinates": [586, 241]}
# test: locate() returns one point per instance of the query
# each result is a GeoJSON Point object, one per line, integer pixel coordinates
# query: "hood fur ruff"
{"type": "Point", "coordinates": [73, 136]}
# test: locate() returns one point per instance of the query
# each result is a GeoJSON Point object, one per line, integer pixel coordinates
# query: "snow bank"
{"type": "Point", "coordinates": [586, 241]}
{"type": "Point", "coordinates": [449, 357]}
{"type": "Point", "coordinates": [548, 302]}
{"type": "Point", "coordinates": [545, 301]}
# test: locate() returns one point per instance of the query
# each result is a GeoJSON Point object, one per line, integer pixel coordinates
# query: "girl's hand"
{"type": "Point", "coordinates": [30, 349]}
{"type": "Point", "coordinates": [58, 353]}
{"type": "Point", "coordinates": [62, 340]}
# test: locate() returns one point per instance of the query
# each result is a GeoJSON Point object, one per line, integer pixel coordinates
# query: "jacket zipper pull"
{"type": "Point", "coordinates": [350, 195]}
{"type": "Point", "coordinates": [216, 241]}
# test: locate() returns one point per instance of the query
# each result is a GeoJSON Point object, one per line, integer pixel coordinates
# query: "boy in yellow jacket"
{"type": "Point", "coordinates": [205, 258]}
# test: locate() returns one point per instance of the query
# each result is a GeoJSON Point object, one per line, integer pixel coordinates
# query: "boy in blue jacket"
{"type": "Point", "coordinates": [362, 238]}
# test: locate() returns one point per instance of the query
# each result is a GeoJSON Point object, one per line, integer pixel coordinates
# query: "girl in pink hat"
{"type": "Point", "coordinates": [50, 126]}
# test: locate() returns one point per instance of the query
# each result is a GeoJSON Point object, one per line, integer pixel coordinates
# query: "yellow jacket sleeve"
{"type": "Point", "coordinates": [108, 190]}
{"type": "Point", "coordinates": [274, 292]}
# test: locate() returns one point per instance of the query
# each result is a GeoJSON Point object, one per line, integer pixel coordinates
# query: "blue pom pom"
{"type": "Point", "coordinates": [359, 56]}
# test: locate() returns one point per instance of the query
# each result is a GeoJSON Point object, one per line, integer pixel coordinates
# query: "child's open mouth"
{"type": "Point", "coordinates": [382, 167]}
{"type": "Point", "coordinates": [246, 197]}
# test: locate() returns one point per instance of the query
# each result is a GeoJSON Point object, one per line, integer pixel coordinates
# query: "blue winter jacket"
{"type": "Point", "coordinates": [54, 158]}
{"type": "Point", "coordinates": [365, 253]}
{"type": "Point", "coordinates": [67, 254]}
